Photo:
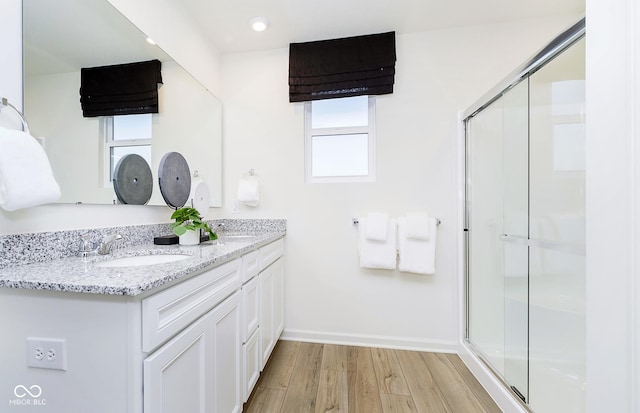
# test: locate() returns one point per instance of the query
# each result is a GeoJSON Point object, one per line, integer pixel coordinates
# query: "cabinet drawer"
{"type": "Point", "coordinates": [271, 252]}
{"type": "Point", "coordinates": [250, 265]}
{"type": "Point", "coordinates": [166, 313]}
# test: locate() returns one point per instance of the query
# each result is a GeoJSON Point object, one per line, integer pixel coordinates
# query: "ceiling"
{"type": "Point", "coordinates": [65, 35]}
{"type": "Point", "coordinates": [225, 22]}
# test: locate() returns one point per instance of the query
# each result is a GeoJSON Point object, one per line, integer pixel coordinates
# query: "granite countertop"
{"type": "Point", "coordinates": [82, 275]}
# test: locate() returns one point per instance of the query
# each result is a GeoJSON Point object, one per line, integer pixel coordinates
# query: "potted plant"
{"type": "Point", "coordinates": [187, 226]}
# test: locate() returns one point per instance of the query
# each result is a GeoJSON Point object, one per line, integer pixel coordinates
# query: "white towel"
{"type": "Point", "coordinates": [249, 191]}
{"type": "Point", "coordinates": [418, 225]}
{"type": "Point", "coordinates": [26, 178]}
{"type": "Point", "coordinates": [377, 254]}
{"type": "Point", "coordinates": [417, 256]}
{"type": "Point", "coordinates": [377, 226]}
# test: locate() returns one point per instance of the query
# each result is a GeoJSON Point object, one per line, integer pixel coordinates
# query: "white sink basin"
{"type": "Point", "coordinates": [139, 260]}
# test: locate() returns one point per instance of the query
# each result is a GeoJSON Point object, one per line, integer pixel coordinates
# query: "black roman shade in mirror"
{"type": "Point", "coordinates": [351, 66]}
{"type": "Point", "coordinates": [125, 89]}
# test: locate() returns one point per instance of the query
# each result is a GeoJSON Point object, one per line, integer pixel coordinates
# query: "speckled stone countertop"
{"type": "Point", "coordinates": [75, 274]}
{"type": "Point", "coordinates": [61, 271]}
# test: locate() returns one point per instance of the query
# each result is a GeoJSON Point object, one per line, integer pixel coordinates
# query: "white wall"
{"type": "Point", "coordinates": [613, 227]}
{"type": "Point", "coordinates": [11, 56]}
{"type": "Point", "coordinates": [328, 297]}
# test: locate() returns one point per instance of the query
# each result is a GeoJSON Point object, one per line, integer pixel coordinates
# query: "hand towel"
{"type": "Point", "coordinates": [377, 224]}
{"type": "Point", "coordinates": [377, 254]}
{"type": "Point", "coordinates": [418, 225]}
{"type": "Point", "coordinates": [249, 191]}
{"type": "Point", "coordinates": [417, 256]}
{"type": "Point", "coordinates": [26, 178]}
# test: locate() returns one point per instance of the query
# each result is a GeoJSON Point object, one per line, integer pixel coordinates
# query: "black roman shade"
{"type": "Point", "coordinates": [125, 89]}
{"type": "Point", "coordinates": [351, 66]}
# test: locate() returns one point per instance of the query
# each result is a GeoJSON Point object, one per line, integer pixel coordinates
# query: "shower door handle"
{"type": "Point", "coordinates": [577, 249]}
{"type": "Point", "coordinates": [514, 239]}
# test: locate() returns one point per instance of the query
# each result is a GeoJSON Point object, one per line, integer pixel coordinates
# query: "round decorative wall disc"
{"type": "Point", "coordinates": [132, 180]}
{"type": "Point", "coordinates": [174, 179]}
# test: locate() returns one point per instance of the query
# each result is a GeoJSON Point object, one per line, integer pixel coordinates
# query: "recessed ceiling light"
{"type": "Point", "coordinates": [259, 24]}
{"type": "Point", "coordinates": [150, 41]}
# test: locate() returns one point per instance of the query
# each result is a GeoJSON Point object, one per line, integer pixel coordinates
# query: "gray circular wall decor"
{"type": "Point", "coordinates": [133, 180]}
{"type": "Point", "coordinates": [174, 179]}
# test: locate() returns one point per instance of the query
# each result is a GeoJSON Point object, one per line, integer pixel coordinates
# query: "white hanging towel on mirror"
{"type": "Point", "coordinates": [26, 178]}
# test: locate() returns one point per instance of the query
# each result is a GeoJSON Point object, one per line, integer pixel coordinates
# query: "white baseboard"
{"type": "Point", "coordinates": [400, 343]}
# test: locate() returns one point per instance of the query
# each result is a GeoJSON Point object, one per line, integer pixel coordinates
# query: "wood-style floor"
{"type": "Point", "coordinates": [325, 378]}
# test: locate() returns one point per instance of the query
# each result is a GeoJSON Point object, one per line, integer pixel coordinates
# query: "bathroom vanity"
{"type": "Point", "coordinates": [129, 335]}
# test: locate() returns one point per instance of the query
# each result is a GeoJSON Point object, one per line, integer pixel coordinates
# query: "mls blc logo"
{"type": "Point", "coordinates": [27, 396]}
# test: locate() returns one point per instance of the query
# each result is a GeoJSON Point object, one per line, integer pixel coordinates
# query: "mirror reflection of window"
{"type": "Point", "coordinates": [124, 135]}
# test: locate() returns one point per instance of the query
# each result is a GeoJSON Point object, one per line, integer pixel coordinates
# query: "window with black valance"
{"type": "Point", "coordinates": [125, 89]}
{"type": "Point", "coordinates": [351, 66]}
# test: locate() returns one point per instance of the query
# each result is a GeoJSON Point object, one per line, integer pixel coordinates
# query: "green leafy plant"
{"type": "Point", "coordinates": [187, 218]}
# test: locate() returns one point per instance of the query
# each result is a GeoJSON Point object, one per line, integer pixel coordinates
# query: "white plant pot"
{"type": "Point", "coordinates": [189, 238]}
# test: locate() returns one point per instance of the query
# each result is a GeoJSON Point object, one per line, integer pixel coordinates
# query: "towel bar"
{"type": "Point", "coordinates": [5, 103]}
{"type": "Point", "coordinates": [355, 221]}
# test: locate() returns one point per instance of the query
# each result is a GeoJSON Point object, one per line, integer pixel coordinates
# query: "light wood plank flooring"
{"type": "Point", "coordinates": [326, 378]}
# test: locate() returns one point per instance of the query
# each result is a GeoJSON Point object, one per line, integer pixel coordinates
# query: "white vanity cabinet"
{"type": "Point", "coordinates": [250, 323]}
{"type": "Point", "coordinates": [199, 370]}
{"type": "Point", "coordinates": [190, 345]}
{"type": "Point", "coordinates": [263, 311]}
{"type": "Point", "coordinates": [215, 360]}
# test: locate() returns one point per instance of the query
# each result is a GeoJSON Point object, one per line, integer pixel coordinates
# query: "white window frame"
{"type": "Point", "coordinates": [371, 145]}
{"type": "Point", "coordinates": [109, 142]}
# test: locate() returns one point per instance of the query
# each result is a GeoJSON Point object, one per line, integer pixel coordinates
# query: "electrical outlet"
{"type": "Point", "coordinates": [236, 207]}
{"type": "Point", "coordinates": [47, 353]}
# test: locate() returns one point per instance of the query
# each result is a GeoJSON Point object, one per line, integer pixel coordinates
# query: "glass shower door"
{"type": "Point", "coordinates": [526, 234]}
{"type": "Point", "coordinates": [498, 230]}
{"type": "Point", "coordinates": [557, 222]}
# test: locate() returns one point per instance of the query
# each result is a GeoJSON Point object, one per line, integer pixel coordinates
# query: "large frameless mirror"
{"type": "Point", "coordinates": [84, 151]}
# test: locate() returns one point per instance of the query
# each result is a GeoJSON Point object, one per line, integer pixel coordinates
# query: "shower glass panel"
{"type": "Point", "coordinates": [525, 220]}
{"type": "Point", "coordinates": [557, 226]}
{"type": "Point", "coordinates": [498, 292]}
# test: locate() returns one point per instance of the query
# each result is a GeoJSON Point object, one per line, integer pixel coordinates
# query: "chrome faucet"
{"type": "Point", "coordinates": [88, 248]}
{"type": "Point", "coordinates": [105, 246]}
{"type": "Point", "coordinates": [220, 233]}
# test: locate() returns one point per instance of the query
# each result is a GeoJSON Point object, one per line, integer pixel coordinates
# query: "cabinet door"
{"type": "Point", "coordinates": [271, 307]}
{"type": "Point", "coordinates": [199, 370]}
{"type": "Point", "coordinates": [267, 340]}
{"type": "Point", "coordinates": [224, 328]}
{"type": "Point", "coordinates": [251, 364]}
{"type": "Point", "coordinates": [175, 376]}
{"type": "Point", "coordinates": [278, 298]}
{"type": "Point", "coordinates": [250, 308]}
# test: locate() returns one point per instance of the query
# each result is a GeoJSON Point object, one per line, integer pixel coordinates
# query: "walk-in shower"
{"type": "Point", "coordinates": [525, 228]}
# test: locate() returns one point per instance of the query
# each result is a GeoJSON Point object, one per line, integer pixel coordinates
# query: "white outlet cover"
{"type": "Point", "coordinates": [47, 353]}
